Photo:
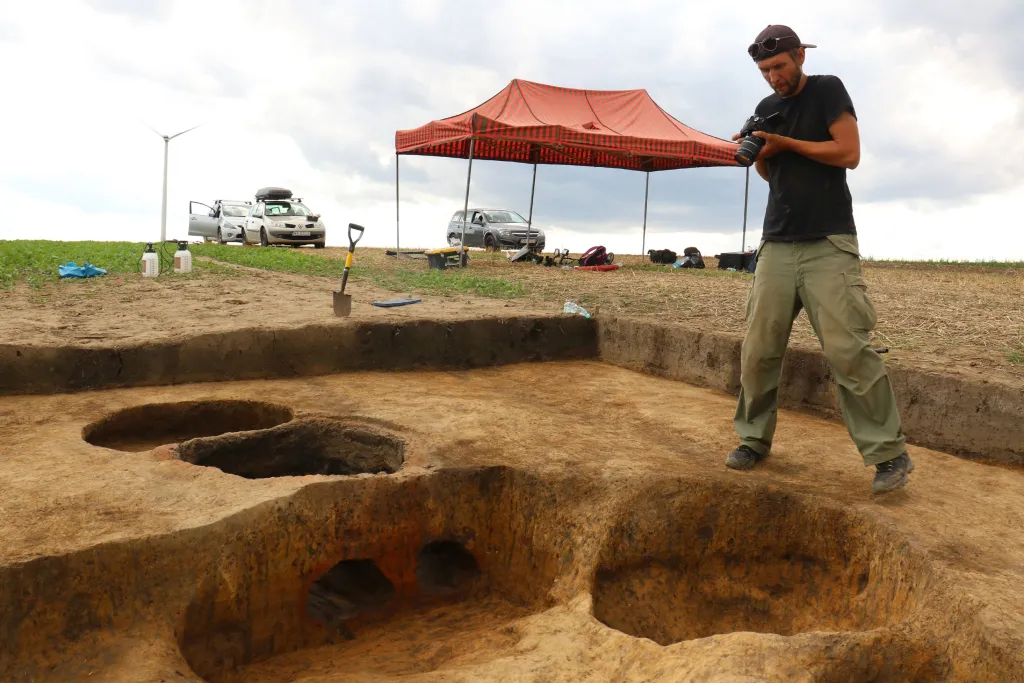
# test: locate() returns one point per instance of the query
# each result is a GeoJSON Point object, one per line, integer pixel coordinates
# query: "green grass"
{"type": "Point", "coordinates": [1016, 357]}
{"type": "Point", "coordinates": [399, 279]}
{"type": "Point", "coordinates": [36, 261]}
{"type": "Point", "coordinates": [446, 283]}
{"type": "Point", "coordinates": [282, 260]}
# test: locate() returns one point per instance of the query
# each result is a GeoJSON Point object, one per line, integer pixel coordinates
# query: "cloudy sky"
{"type": "Point", "coordinates": [308, 94]}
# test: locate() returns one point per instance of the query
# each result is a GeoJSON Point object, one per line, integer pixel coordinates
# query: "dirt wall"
{"type": "Point", "coordinates": [301, 351]}
{"type": "Point", "coordinates": [964, 416]}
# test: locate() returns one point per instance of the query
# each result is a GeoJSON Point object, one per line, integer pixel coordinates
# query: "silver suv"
{"type": "Point", "coordinates": [493, 229]}
{"type": "Point", "coordinates": [278, 218]}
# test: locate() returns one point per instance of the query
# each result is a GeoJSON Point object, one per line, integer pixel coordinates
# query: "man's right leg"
{"type": "Point", "coordinates": [772, 304]}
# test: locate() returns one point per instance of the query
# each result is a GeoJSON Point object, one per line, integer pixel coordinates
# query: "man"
{"type": "Point", "coordinates": [809, 258]}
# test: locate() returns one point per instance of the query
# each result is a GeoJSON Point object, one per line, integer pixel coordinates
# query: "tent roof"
{"type": "Point", "coordinates": [531, 122]}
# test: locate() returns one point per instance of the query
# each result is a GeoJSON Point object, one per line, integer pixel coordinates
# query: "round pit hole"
{"type": "Point", "coordinates": [303, 447]}
{"type": "Point", "coordinates": [446, 568]}
{"type": "Point", "coordinates": [685, 567]}
{"type": "Point", "coordinates": [347, 589]}
{"type": "Point", "coordinates": [142, 428]}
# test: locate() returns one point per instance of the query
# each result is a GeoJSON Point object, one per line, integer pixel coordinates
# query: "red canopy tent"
{"type": "Point", "coordinates": [543, 124]}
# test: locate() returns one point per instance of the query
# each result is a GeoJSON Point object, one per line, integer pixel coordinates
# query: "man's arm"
{"type": "Point", "coordinates": [762, 168]}
{"type": "Point", "coordinates": [842, 150]}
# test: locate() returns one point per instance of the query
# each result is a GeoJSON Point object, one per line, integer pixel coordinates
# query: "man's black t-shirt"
{"type": "Point", "coordinates": [807, 199]}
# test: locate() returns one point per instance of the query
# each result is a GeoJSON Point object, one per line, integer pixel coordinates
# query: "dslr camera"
{"type": "Point", "coordinates": [750, 144]}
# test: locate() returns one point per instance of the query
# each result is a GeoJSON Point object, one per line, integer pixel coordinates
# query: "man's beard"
{"type": "Point", "coordinates": [790, 86]}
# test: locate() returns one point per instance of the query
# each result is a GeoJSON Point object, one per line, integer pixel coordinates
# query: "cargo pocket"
{"type": "Point", "coordinates": [860, 311]}
{"type": "Point", "coordinates": [845, 243]}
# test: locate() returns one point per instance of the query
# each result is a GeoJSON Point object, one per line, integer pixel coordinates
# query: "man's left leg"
{"type": "Point", "coordinates": [835, 298]}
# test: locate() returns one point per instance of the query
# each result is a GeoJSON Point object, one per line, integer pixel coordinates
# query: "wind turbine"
{"type": "Point", "coordinates": [163, 207]}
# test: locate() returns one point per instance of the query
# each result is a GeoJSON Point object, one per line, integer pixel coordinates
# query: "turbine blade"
{"type": "Point", "coordinates": [183, 132]}
{"type": "Point", "coordinates": [151, 128]}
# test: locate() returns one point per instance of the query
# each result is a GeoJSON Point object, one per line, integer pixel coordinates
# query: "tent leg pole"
{"type": "Point", "coordinates": [529, 221]}
{"type": "Point", "coordinates": [398, 233]}
{"type": "Point", "coordinates": [465, 207]}
{"type": "Point", "coordinates": [643, 244]}
{"type": "Point", "coordinates": [746, 195]}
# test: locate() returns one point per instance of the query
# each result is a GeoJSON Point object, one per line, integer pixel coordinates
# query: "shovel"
{"type": "Point", "coordinates": [343, 301]}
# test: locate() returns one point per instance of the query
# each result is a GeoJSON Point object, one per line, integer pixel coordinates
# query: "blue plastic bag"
{"type": "Point", "coordinates": [72, 269]}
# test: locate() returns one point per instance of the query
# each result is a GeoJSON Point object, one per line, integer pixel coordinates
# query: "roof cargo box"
{"type": "Point", "coordinates": [273, 193]}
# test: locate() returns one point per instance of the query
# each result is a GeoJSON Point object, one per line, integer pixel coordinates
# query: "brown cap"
{"type": "Point", "coordinates": [773, 40]}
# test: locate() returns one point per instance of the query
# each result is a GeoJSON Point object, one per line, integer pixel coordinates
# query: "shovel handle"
{"type": "Point", "coordinates": [352, 227]}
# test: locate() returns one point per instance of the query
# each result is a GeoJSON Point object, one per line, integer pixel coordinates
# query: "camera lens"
{"type": "Point", "coordinates": [749, 148]}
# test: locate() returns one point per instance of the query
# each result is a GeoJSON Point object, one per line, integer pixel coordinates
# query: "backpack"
{"type": "Point", "coordinates": [595, 256]}
{"type": "Point", "coordinates": [692, 258]}
{"type": "Point", "coordinates": [661, 255]}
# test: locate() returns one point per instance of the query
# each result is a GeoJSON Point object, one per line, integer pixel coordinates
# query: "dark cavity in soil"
{"type": "Point", "coordinates": [348, 588]}
{"type": "Point", "coordinates": [142, 428]}
{"type": "Point", "coordinates": [446, 568]}
{"type": "Point", "coordinates": [304, 447]}
{"type": "Point", "coordinates": [681, 568]}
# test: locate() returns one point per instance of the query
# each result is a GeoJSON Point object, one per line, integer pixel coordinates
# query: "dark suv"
{"type": "Point", "coordinates": [493, 229]}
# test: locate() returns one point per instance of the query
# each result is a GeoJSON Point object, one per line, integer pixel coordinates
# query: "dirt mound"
{"type": "Point", "coordinates": [144, 427]}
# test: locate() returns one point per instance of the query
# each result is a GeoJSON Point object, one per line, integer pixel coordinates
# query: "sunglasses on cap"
{"type": "Point", "coordinates": [769, 45]}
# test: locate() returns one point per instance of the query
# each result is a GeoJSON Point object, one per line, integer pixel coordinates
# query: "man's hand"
{"type": "Point", "coordinates": [773, 144]}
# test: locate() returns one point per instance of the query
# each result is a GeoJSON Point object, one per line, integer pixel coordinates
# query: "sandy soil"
{"type": "Point", "coordinates": [591, 498]}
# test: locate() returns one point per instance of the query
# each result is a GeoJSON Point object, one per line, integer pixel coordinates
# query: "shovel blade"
{"type": "Point", "coordinates": [342, 304]}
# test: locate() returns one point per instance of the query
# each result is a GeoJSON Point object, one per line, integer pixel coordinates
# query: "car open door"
{"type": "Point", "coordinates": [254, 223]}
{"type": "Point", "coordinates": [201, 223]}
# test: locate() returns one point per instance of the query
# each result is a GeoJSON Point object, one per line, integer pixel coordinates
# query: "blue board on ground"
{"type": "Point", "coordinates": [395, 302]}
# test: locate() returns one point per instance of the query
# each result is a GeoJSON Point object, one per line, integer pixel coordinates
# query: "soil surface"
{"type": "Point", "coordinates": [545, 522]}
{"type": "Point", "coordinates": [132, 310]}
{"type": "Point", "coordinates": [960, 319]}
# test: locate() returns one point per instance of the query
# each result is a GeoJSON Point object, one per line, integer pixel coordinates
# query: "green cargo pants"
{"type": "Point", "coordinates": [823, 277]}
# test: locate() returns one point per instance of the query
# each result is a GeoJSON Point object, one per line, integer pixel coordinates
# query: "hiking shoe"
{"type": "Point", "coordinates": [892, 474]}
{"type": "Point", "coordinates": [743, 458]}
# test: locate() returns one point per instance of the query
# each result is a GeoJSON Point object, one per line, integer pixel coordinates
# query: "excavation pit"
{"type": "Point", "coordinates": [138, 568]}
{"type": "Point", "coordinates": [722, 561]}
{"type": "Point", "coordinates": [303, 447]}
{"type": "Point", "coordinates": [144, 427]}
{"type": "Point", "coordinates": [446, 561]}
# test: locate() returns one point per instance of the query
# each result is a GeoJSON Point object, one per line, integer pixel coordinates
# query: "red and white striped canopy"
{"type": "Point", "coordinates": [535, 123]}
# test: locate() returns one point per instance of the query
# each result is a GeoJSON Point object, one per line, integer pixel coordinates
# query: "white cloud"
{"type": "Point", "coordinates": [308, 94]}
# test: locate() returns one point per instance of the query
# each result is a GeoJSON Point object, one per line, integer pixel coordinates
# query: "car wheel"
{"type": "Point", "coordinates": [320, 245]}
{"type": "Point", "coordinates": [453, 240]}
{"type": "Point", "coordinates": [489, 244]}
{"type": "Point", "coordinates": [264, 242]}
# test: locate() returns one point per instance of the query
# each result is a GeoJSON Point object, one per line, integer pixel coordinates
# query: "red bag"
{"type": "Point", "coordinates": [595, 256]}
